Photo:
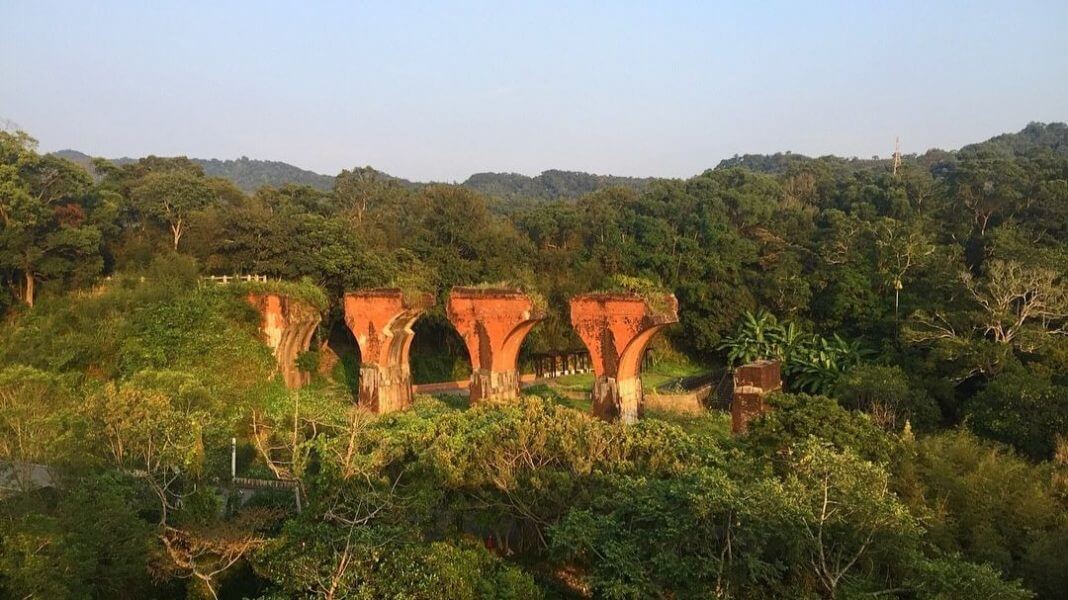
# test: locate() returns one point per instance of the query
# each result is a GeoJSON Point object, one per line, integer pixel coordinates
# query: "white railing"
{"type": "Point", "coordinates": [224, 279]}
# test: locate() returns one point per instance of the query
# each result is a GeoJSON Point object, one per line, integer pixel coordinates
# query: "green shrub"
{"type": "Point", "coordinates": [794, 418]}
{"type": "Point", "coordinates": [304, 290]}
{"type": "Point", "coordinates": [990, 506]}
{"type": "Point", "coordinates": [1021, 410]}
{"type": "Point", "coordinates": [308, 361]}
{"type": "Point", "coordinates": [886, 394]}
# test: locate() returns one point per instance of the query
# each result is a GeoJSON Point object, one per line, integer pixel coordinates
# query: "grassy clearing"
{"type": "Point", "coordinates": [654, 377]}
{"type": "Point", "coordinates": [714, 423]}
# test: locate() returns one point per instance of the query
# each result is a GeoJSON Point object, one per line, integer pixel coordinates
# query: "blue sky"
{"type": "Point", "coordinates": [442, 90]}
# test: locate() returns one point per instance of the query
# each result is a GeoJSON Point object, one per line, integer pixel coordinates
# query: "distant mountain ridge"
{"type": "Point", "coordinates": [1051, 136]}
{"type": "Point", "coordinates": [247, 174]}
{"type": "Point", "coordinates": [550, 185]}
{"type": "Point", "coordinates": [250, 174]}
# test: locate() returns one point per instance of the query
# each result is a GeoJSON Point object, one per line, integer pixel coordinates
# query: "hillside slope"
{"type": "Point", "coordinates": [1051, 136]}
{"type": "Point", "coordinates": [247, 174]}
{"type": "Point", "coordinates": [554, 184]}
{"type": "Point", "coordinates": [550, 185]}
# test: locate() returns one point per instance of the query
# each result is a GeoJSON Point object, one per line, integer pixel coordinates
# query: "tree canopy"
{"type": "Point", "coordinates": [918, 449]}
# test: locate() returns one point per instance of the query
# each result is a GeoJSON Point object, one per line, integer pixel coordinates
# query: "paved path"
{"type": "Point", "coordinates": [460, 387]}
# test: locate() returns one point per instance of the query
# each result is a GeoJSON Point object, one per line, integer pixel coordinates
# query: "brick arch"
{"type": "Point", "coordinates": [617, 328]}
{"type": "Point", "coordinates": [630, 360]}
{"type": "Point", "coordinates": [493, 324]}
{"type": "Point", "coordinates": [381, 321]}
{"type": "Point", "coordinates": [287, 326]}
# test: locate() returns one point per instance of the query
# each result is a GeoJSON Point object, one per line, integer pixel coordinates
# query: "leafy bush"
{"type": "Point", "coordinates": [86, 537]}
{"type": "Point", "coordinates": [887, 394]}
{"type": "Point", "coordinates": [308, 361]}
{"type": "Point", "coordinates": [303, 290]}
{"type": "Point", "coordinates": [1010, 524]}
{"type": "Point", "coordinates": [654, 294]}
{"type": "Point", "coordinates": [810, 362]}
{"type": "Point", "coordinates": [1021, 410]}
{"type": "Point", "coordinates": [794, 418]}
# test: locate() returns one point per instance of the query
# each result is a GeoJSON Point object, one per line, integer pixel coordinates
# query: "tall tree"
{"type": "Point", "coordinates": [43, 230]}
{"type": "Point", "coordinates": [170, 197]}
{"type": "Point", "coordinates": [899, 248]}
{"type": "Point", "coordinates": [360, 190]}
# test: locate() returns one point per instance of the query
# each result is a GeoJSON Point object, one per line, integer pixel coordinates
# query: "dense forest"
{"type": "Point", "coordinates": [919, 449]}
{"type": "Point", "coordinates": [247, 174]}
{"type": "Point", "coordinates": [250, 175]}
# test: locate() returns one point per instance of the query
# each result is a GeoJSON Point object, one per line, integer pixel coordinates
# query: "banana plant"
{"type": "Point", "coordinates": [754, 339]}
{"type": "Point", "coordinates": [819, 365]}
{"type": "Point", "coordinates": [810, 362]}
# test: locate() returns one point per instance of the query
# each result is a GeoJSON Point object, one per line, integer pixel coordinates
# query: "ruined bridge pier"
{"type": "Point", "coordinates": [617, 328]}
{"type": "Point", "coordinates": [493, 324]}
{"type": "Point", "coordinates": [381, 321]}
{"type": "Point", "coordinates": [752, 383]}
{"type": "Point", "coordinates": [286, 325]}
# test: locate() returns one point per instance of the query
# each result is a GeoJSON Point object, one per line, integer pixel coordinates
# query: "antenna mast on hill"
{"type": "Point", "coordinates": [897, 154]}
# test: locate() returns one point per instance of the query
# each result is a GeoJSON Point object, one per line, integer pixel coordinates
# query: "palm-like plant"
{"type": "Point", "coordinates": [788, 340]}
{"type": "Point", "coordinates": [812, 362]}
{"type": "Point", "coordinates": [754, 339]}
{"type": "Point", "coordinates": [819, 365]}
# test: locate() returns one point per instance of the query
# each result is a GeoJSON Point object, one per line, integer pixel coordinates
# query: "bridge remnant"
{"type": "Point", "coordinates": [617, 328]}
{"type": "Point", "coordinates": [752, 383]}
{"type": "Point", "coordinates": [287, 325]}
{"type": "Point", "coordinates": [493, 324]}
{"type": "Point", "coordinates": [381, 321]}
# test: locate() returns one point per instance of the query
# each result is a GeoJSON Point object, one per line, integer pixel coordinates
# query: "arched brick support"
{"type": "Point", "coordinates": [493, 324]}
{"type": "Point", "coordinates": [287, 326]}
{"type": "Point", "coordinates": [752, 382]}
{"type": "Point", "coordinates": [381, 321]}
{"type": "Point", "coordinates": [617, 328]}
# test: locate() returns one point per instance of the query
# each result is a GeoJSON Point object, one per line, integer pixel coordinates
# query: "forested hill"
{"type": "Point", "coordinates": [247, 174]}
{"type": "Point", "coordinates": [550, 185]}
{"type": "Point", "coordinates": [1036, 135]}
{"type": "Point", "coordinates": [250, 175]}
{"type": "Point", "coordinates": [1052, 136]}
{"type": "Point", "coordinates": [918, 318]}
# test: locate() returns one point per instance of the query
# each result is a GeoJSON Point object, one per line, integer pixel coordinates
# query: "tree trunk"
{"type": "Point", "coordinates": [30, 290]}
{"type": "Point", "coordinates": [176, 230]}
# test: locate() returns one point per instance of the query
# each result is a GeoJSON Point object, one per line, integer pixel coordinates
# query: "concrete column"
{"type": "Point", "coordinates": [752, 382]}
{"type": "Point", "coordinates": [287, 326]}
{"type": "Point", "coordinates": [617, 328]}
{"type": "Point", "coordinates": [381, 321]}
{"type": "Point", "coordinates": [493, 324]}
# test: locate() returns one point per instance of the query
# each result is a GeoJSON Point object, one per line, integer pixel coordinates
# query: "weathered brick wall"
{"type": "Point", "coordinates": [381, 321]}
{"type": "Point", "coordinates": [752, 383]}
{"type": "Point", "coordinates": [493, 324]}
{"type": "Point", "coordinates": [616, 329]}
{"type": "Point", "coordinates": [287, 326]}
